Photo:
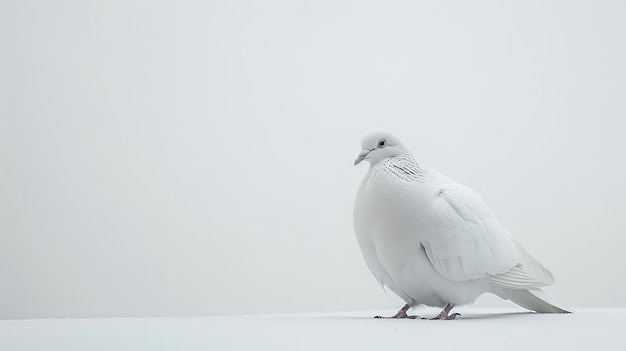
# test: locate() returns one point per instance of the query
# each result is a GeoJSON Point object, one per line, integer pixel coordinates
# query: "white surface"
{"type": "Point", "coordinates": [476, 330]}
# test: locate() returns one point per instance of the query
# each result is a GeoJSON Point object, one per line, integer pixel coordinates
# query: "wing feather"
{"type": "Point", "coordinates": [527, 274]}
{"type": "Point", "coordinates": [464, 241]}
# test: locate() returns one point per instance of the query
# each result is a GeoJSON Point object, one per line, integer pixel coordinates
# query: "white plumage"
{"type": "Point", "coordinates": [433, 241]}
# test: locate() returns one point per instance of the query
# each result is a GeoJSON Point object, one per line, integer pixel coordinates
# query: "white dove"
{"type": "Point", "coordinates": [433, 241]}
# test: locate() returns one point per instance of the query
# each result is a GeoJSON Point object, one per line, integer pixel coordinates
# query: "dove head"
{"type": "Point", "coordinates": [377, 145]}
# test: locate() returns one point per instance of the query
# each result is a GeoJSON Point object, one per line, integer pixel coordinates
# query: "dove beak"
{"type": "Point", "coordinates": [362, 155]}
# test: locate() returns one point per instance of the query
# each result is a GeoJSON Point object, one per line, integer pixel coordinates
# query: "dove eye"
{"type": "Point", "coordinates": [382, 143]}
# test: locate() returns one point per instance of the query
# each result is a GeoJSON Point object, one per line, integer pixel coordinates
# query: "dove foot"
{"type": "Point", "coordinates": [401, 314]}
{"type": "Point", "coordinates": [444, 316]}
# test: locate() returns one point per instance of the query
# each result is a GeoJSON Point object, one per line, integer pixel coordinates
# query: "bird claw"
{"type": "Point", "coordinates": [443, 316]}
{"type": "Point", "coordinates": [400, 315]}
{"type": "Point", "coordinates": [446, 317]}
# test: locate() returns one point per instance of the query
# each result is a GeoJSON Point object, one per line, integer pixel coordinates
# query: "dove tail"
{"type": "Point", "coordinates": [534, 299]}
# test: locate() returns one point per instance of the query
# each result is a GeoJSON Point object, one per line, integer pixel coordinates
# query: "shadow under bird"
{"type": "Point", "coordinates": [433, 241]}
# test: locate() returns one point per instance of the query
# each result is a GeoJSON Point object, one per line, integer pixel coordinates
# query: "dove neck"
{"type": "Point", "coordinates": [402, 165]}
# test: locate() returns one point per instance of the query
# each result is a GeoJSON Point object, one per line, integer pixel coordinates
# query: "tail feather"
{"type": "Point", "coordinates": [534, 299]}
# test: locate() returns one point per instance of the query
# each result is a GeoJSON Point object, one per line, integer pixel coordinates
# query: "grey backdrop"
{"type": "Point", "coordinates": [195, 158]}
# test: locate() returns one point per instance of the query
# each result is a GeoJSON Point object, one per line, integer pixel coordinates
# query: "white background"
{"type": "Point", "coordinates": [195, 158]}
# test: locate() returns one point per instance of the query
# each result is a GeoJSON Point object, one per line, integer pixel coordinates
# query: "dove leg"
{"type": "Point", "coordinates": [444, 314]}
{"type": "Point", "coordinates": [401, 314]}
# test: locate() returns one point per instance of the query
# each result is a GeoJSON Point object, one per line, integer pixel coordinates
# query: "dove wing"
{"type": "Point", "coordinates": [464, 241]}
